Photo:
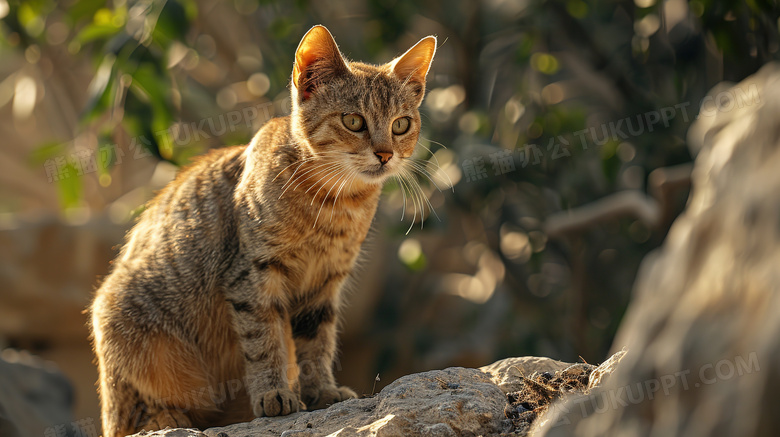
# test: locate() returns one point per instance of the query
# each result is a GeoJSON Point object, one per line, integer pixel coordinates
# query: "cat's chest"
{"type": "Point", "coordinates": [310, 247]}
{"type": "Point", "coordinates": [329, 250]}
{"type": "Point", "coordinates": [315, 256]}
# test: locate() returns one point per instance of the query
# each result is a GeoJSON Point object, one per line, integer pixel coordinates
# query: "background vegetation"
{"type": "Point", "coordinates": [526, 256]}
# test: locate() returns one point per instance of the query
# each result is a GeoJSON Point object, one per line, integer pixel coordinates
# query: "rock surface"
{"type": "Point", "coordinates": [703, 329]}
{"type": "Point", "coordinates": [450, 402]}
{"type": "Point", "coordinates": [33, 397]}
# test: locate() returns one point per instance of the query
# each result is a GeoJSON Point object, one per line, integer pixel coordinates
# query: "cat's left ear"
{"type": "Point", "coordinates": [415, 63]}
{"type": "Point", "coordinates": [317, 60]}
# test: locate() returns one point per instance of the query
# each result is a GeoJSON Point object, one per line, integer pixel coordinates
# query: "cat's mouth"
{"type": "Point", "coordinates": [378, 172]}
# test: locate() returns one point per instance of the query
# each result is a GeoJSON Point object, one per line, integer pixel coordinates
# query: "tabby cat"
{"type": "Point", "coordinates": [223, 304]}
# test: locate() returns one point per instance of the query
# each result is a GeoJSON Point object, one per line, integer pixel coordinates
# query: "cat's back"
{"type": "Point", "coordinates": [274, 144]}
{"type": "Point", "coordinates": [189, 227]}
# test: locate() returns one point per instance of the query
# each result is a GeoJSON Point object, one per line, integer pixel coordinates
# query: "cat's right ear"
{"type": "Point", "coordinates": [317, 60]}
{"type": "Point", "coordinates": [413, 65]}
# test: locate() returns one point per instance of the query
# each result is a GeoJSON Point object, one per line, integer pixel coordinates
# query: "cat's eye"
{"type": "Point", "coordinates": [353, 122]}
{"type": "Point", "coordinates": [401, 125]}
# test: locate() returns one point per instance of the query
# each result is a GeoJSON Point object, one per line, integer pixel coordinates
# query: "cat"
{"type": "Point", "coordinates": [223, 303]}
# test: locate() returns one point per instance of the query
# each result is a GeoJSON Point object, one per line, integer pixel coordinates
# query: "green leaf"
{"type": "Point", "coordinates": [172, 24]}
{"type": "Point", "coordinates": [32, 18]}
{"type": "Point", "coordinates": [155, 87]}
{"type": "Point", "coordinates": [82, 9]}
{"type": "Point", "coordinates": [70, 187]}
{"type": "Point", "coordinates": [93, 32]}
{"type": "Point", "coordinates": [101, 92]}
{"type": "Point", "coordinates": [46, 151]}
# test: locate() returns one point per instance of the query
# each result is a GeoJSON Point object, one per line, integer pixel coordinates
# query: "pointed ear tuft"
{"type": "Point", "coordinates": [317, 60]}
{"type": "Point", "coordinates": [415, 63]}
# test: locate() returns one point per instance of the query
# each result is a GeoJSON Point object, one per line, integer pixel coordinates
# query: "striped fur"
{"type": "Point", "coordinates": [224, 302]}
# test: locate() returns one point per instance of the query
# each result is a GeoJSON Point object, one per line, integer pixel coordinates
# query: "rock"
{"type": "Point", "coordinates": [49, 268]}
{"type": "Point", "coordinates": [33, 397]}
{"type": "Point", "coordinates": [450, 402]}
{"type": "Point", "coordinates": [419, 404]}
{"type": "Point", "coordinates": [703, 329]}
{"type": "Point", "coordinates": [506, 373]}
{"type": "Point", "coordinates": [601, 373]}
{"type": "Point", "coordinates": [7, 426]}
{"type": "Point", "coordinates": [44, 291]}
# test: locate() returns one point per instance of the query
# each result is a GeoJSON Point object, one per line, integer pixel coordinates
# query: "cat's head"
{"type": "Point", "coordinates": [362, 116]}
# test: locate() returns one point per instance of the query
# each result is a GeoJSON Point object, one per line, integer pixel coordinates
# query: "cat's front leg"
{"type": "Point", "coordinates": [262, 325]}
{"type": "Point", "coordinates": [314, 330]}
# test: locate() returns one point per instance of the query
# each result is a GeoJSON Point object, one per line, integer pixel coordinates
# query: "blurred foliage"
{"type": "Point", "coordinates": [508, 74]}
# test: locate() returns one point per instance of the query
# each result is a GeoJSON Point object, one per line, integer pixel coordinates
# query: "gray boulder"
{"type": "Point", "coordinates": [35, 398]}
{"type": "Point", "coordinates": [703, 330]}
{"type": "Point", "coordinates": [450, 402]}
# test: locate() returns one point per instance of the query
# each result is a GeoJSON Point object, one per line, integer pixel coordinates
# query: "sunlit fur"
{"type": "Point", "coordinates": [234, 271]}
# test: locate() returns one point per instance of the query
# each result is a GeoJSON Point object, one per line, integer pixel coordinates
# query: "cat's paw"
{"type": "Point", "coordinates": [276, 402]}
{"type": "Point", "coordinates": [327, 396]}
{"type": "Point", "coordinates": [168, 418]}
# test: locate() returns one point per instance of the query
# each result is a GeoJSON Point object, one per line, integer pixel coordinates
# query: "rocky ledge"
{"type": "Point", "coordinates": [450, 402]}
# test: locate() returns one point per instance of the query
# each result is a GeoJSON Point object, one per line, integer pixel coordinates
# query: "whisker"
{"type": "Point", "coordinates": [316, 169]}
{"type": "Point", "coordinates": [414, 203]}
{"type": "Point", "coordinates": [424, 197]}
{"type": "Point", "coordinates": [291, 181]}
{"type": "Point", "coordinates": [406, 186]}
{"type": "Point", "coordinates": [417, 194]}
{"type": "Point", "coordinates": [351, 177]}
{"type": "Point", "coordinates": [428, 201]}
{"type": "Point", "coordinates": [419, 143]}
{"type": "Point", "coordinates": [336, 170]}
{"type": "Point", "coordinates": [423, 166]}
{"type": "Point", "coordinates": [423, 171]}
{"type": "Point", "coordinates": [300, 162]}
{"type": "Point", "coordinates": [434, 142]}
{"type": "Point", "coordinates": [438, 164]}
{"type": "Point", "coordinates": [284, 190]}
{"type": "Point", "coordinates": [408, 78]}
{"type": "Point", "coordinates": [403, 193]}
{"type": "Point", "coordinates": [325, 198]}
{"type": "Point", "coordinates": [317, 164]}
{"type": "Point", "coordinates": [324, 168]}
{"type": "Point", "coordinates": [307, 159]}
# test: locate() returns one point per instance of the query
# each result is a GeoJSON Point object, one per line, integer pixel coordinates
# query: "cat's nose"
{"type": "Point", "coordinates": [384, 156]}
